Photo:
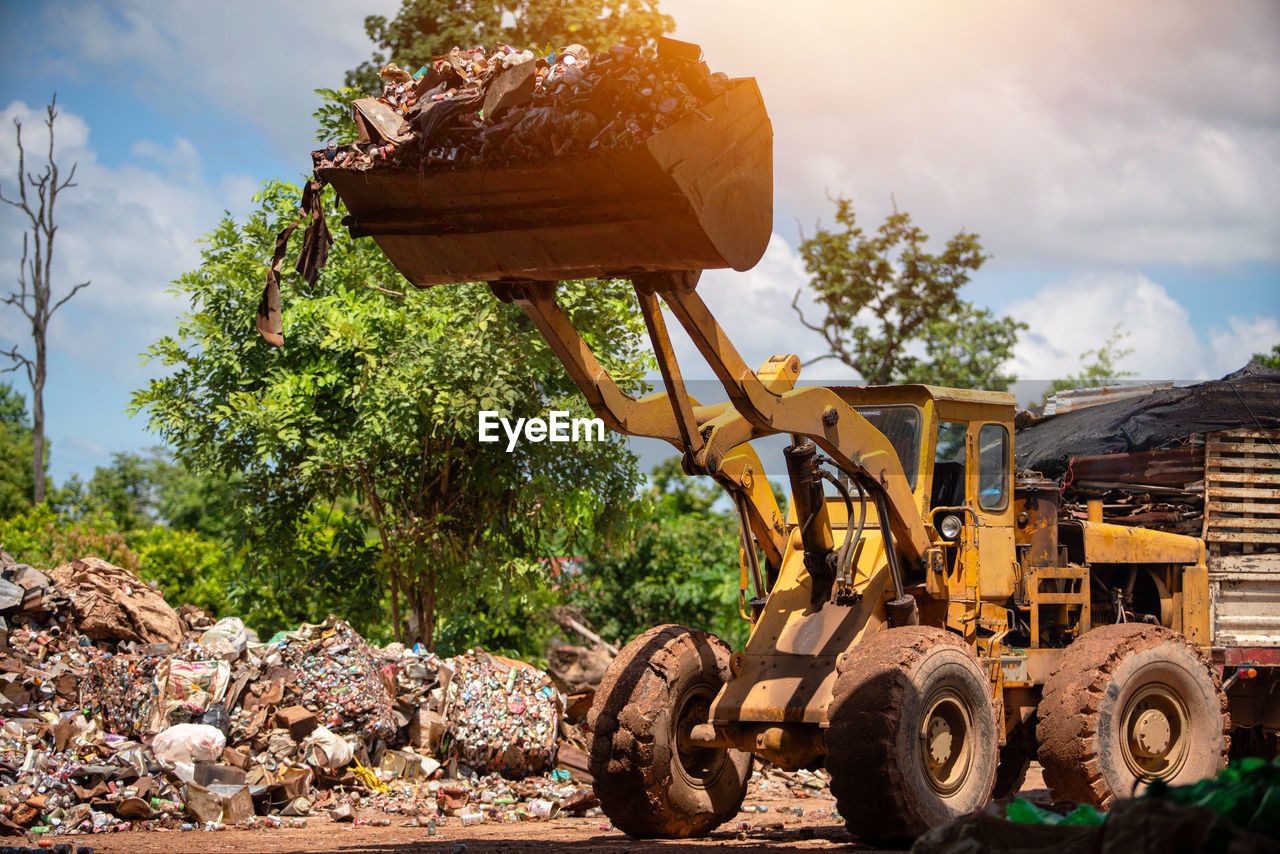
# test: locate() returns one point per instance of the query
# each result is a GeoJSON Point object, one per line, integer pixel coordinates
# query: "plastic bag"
{"type": "Point", "coordinates": [216, 716]}
{"type": "Point", "coordinates": [189, 743]}
{"type": "Point", "coordinates": [326, 749]}
{"type": "Point", "coordinates": [226, 638]}
{"type": "Point", "coordinates": [193, 686]}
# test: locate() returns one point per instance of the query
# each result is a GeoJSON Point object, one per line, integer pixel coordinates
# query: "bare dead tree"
{"type": "Point", "coordinates": [37, 195]}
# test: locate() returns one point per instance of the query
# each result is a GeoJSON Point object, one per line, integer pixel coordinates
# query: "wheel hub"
{"type": "Point", "coordinates": [939, 741]}
{"type": "Point", "coordinates": [697, 763]}
{"type": "Point", "coordinates": [946, 743]}
{"type": "Point", "coordinates": [1153, 732]}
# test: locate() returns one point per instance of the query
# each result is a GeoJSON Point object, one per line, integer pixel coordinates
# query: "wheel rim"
{"type": "Point", "coordinates": [1153, 732]}
{"type": "Point", "coordinates": [698, 765]}
{"type": "Point", "coordinates": [946, 741]}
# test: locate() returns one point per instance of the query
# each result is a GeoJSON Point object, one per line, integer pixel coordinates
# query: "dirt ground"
{"type": "Point", "coordinates": [777, 829]}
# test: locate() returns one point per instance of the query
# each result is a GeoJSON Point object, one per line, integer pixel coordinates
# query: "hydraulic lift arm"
{"type": "Point", "coordinates": [713, 438]}
{"type": "Point", "coordinates": [740, 472]}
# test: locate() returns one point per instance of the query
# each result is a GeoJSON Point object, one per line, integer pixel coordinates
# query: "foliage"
{"type": "Point", "coordinates": [515, 623]}
{"type": "Point", "coordinates": [1269, 360]}
{"type": "Point", "coordinates": [128, 490]}
{"type": "Point", "coordinates": [680, 567]}
{"type": "Point", "coordinates": [187, 567]}
{"type": "Point", "coordinates": [372, 404]}
{"type": "Point", "coordinates": [141, 490]}
{"type": "Point", "coordinates": [885, 296]}
{"type": "Point", "coordinates": [1098, 367]}
{"type": "Point", "coordinates": [333, 117]}
{"type": "Point", "coordinates": [424, 29]}
{"type": "Point", "coordinates": [16, 474]}
{"type": "Point", "coordinates": [41, 538]}
{"type": "Point", "coordinates": [328, 566]}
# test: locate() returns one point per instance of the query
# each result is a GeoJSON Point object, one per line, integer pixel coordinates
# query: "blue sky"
{"type": "Point", "coordinates": [1121, 162]}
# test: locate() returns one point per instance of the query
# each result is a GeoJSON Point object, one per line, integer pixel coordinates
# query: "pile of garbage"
{"type": "Point", "coordinates": [118, 711]}
{"type": "Point", "coordinates": [509, 105]}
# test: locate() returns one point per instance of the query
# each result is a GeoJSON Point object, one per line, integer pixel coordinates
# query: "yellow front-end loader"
{"type": "Point", "coordinates": [923, 622]}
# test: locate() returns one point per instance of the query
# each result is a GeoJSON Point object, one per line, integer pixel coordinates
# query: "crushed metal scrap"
{"type": "Point", "coordinates": [1141, 460]}
{"type": "Point", "coordinates": [1164, 418]}
{"type": "Point", "coordinates": [104, 726]}
{"type": "Point", "coordinates": [120, 711]}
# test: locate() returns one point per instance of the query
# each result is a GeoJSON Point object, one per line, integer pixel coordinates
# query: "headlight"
{"type": "Point", "coordinates": [950, 527]}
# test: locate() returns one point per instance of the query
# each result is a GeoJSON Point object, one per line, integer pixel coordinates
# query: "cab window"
{"type": "Point", "coordinates": [948, 465]}
{"type": "Point", "coordinates": [993, 467]}
{"type": "Point", "coordinates": [900, 424]}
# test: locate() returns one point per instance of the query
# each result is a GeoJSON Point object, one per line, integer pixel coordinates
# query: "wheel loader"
{"type": "Point", "coordinates": [924, 622]}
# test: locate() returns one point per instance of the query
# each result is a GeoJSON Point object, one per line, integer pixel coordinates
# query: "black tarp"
{"type": "Point", "coordinates": [1248, 398]}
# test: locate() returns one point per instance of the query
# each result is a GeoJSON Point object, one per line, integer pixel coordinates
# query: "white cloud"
{"type": "Point", "coordinates": [130, 230]}
{"type": "Point", "coordinates": [754, 308]}
{"type": "Point", "coordinates": [1069, 317]}
{"type": "Point", "coordinates": [1098, 133]}
{"type": "Point", "coordinates": [1242, 338]}
{"type": "Point", "coordinates": [1101, 133]}
{"type": "Point", "coordinates": [258, 61]}
{"type": "Point", "coordinates": [1065, 319]}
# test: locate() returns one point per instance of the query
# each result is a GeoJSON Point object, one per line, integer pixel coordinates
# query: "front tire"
{"type": "Point", "coordinates": [912, 741]}
{"type": "Point", "coordinates": [659, 687]}
{"type": "Point", "coordinates": [1126, 704]}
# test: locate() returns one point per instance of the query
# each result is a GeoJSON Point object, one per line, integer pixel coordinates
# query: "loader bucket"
{"type": "Point", "coordinates": [698, 195]}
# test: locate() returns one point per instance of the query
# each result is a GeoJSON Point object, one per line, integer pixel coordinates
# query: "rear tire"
{"type": "Point", "coordinates": [659, 686]}
{"type": "Point", "coordinates": [1128, 703]}
{"type": "Point", "coordinates": [912, 741]}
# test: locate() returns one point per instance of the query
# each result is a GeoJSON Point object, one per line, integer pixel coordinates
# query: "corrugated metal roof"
{"type": "Point", "coordinates": [1072, 399]}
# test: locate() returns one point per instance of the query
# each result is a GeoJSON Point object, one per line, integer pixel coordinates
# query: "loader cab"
{"type": "Point", "coordinates": [970, 486]}
{"type": "Point", "coordinates": [956, 449]}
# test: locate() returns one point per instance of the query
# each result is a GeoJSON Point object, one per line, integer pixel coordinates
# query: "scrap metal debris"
{"type": "Point", "coordinates": [1143, 457]}
{"type": "Point", "coordinates": [105, 727]}
{"type": "Point", "coordinates": [509, 105]}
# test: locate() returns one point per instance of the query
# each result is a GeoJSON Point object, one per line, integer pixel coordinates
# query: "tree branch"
{"type": "Point", "coordinates": [794, 304]}
{"type": "Point", "coordinates": [57, 305]}
{"type": "Point", "coordinates": [19, 361]}
{"type": "Point", "coordinates": [389, 293]}
{"type": "Point", "coordinates": [817, 359]}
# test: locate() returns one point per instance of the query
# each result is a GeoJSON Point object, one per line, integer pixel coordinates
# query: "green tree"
{"type": "Point", "coordinates": [142, 489]}
{"type": "Point", "coordinates": [128, 489]}
{"type": "Point", "coordinates": [1269, 360]}
{"type": "Point", "coordinates": [885, 298]}
{"type": "Point", "coordinates": [186, 566]}
{"type": "Point", "coordinates": [423, 29]}
{"type": "Point", "coordinates": [373, 406]}
{"type": "Point", "coordinates": [16, 473]}
{"type": "Point", "coordinates": [40, 537]}
{"type": "Point", "coordinates": [189, 568]}
{"type": "Point", "coordinates": [681, 566]}
{"type": "Point", "coordinates": [1100, 366]}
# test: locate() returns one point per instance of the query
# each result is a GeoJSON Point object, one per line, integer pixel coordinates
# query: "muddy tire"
{"type": "Point", "coordinates": [1015, 758]}
{"type": "Point", "coordinates": [912, 741]}
{"type": "Point", "coordinates": [1126, 703]}
{"type": "Point", "coordinates": [662, 683]}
